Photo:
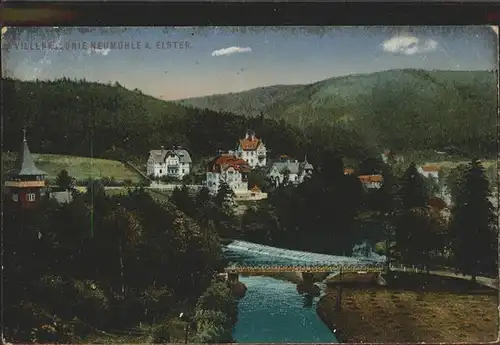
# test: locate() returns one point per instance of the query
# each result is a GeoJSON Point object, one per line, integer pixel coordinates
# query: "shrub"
{"type": "Point", "coordinates": [156, 302]}
{"type": "Point", "coordinates": [161, 334]}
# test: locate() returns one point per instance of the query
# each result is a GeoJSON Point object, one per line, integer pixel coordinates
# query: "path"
{"type": "Point", "coordinates": [485, 281]}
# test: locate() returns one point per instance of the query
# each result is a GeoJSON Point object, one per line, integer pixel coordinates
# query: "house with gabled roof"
{"type": "Point", "coordinates": [25, 185]}
{"type": "Point", "coordinates": [429, 170]}
{"type": "Point", "coordinates": [228, 168]}
{"type": "Point", "coordinates": [288, 170]}
{"type": "Point", "coordinates": [252, 150]}
{"type": "Point", "coordinates": [175, 163]}
{"type": "Point", "coordinates": [371, 181]}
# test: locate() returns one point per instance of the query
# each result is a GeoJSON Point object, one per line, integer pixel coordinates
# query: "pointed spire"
{"type": "Point", "coordinates": [25, 164]}
{"type": "Point", "coordinates": [305, 158]}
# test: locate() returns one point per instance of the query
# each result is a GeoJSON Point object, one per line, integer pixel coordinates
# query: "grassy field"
{"type": "Point", "coordinates": [80, 168]}
{"type": "Point", "coordinates": [172, 328]}
{"type": "Point", "coordinates": [452, 164]}
{"type": "Point", "coordinates": [414, 308]}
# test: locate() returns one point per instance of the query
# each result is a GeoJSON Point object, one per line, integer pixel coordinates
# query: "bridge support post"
{"type": "Point", "coordinates": [233, 278]}
{"type": "Point", "coordinates": [307, 278]}
{"type": "Point", "coordinates": [338, 299]}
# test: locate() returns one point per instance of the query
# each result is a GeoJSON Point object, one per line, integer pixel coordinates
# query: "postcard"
{"type": "Point", "coordinates": [250, 184]}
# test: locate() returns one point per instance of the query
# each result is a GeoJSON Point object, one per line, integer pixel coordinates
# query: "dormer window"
{"type": "Point", "coordinates": [15, 197]}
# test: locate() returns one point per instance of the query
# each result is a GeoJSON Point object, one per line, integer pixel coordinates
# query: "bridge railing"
{"type": "Point", "coordinates": [312, 269]}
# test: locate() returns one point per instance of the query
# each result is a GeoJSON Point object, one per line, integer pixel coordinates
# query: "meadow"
{"type": "Point", "coordinates": [81, 168]}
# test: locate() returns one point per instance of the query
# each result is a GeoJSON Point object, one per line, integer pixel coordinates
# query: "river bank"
{"type": "Point", "coordinates": [413, 308]}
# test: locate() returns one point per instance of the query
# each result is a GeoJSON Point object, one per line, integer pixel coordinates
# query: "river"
{"type": "Point", "coordinates": [272, 311]}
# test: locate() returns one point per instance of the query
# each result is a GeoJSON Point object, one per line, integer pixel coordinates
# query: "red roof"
{"type": "Point", "coordinates": [370, 178]}
{"type": "Point", "coordinates": [256, 189]}
{"type": "Point", "coordinates": [430, 168]}
{"type": "Point", "coordinates": [250, 144]}
{"type": "Point", "coordinates": [226, 161]}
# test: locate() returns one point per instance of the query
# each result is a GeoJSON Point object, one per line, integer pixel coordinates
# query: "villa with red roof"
{"type": "Point", "coordinates": [371, 181]}
{"type": "Point", "coordinates": [429, 171]}
{"type": "Point", "coordinates": [228, 168]}
{"type": "Point", "coordinates": [252, 150]}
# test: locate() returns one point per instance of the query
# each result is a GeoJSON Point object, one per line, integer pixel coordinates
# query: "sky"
{"type": "Point", "coordinates": [177, 63]}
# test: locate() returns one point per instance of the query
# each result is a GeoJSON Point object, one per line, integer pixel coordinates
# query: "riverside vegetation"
{"type": "Point", "coordinates": [81, 264]}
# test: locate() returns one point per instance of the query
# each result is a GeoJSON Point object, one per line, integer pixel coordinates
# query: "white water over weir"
{"type": "Point", "coordinates": [248, 253]}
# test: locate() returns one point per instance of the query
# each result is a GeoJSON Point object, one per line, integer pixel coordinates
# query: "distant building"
{"type": "Point", "coordinates": [175, 163]}
{"type": "Point", "coordinates": [228, 168]}
{"type": "Point", "coordinates": [26, 184]}
{"type": "Point", "coordinates": [429, 171]}
{"type": "Point", "coordinates": [252, 150]}
{"type": "Point", "coordinates": [63, 197]}
{"type": "Point", "coordinates": [289, 170]}
{"type": "Point", "coordinates": [371, 181]}
{"type": "Point", "coordinates": [389, 156]}
{"type": "Point", "coordinates": [348, 171]}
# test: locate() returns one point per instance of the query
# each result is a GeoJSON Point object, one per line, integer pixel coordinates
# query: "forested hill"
{"type": "Point", "coordinates": [109, 121]}
{"type": "Point", "coordinates": [401, 109]}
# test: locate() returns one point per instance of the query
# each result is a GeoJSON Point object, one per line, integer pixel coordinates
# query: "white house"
{"type": "Point", "coordinates": [175, 163]}
{"type": "Point", "coordinates": [291, 169]}
{"type": "Point", "coordinates": [429, 171]}
{"type": "Point", "coordinates": [231, 169]}
{"type": "Point", "coordinates": [252, 150]}
{"type": "Point", "coordinates": [371, 181]}
{"type": "Point", "coordinates": [389, 156]}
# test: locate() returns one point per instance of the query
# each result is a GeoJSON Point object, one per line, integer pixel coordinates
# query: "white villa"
{"type": "Point", "coordinates": [252, 150]}
{"type": "Point", "coordinates": [429, 171]}
{"type": "Point", "coordinates": [371, 181]}
{"type": "Point", "coordinates": [296, 171]}
{"type": "Point", "coordinates": [228, 168]}
{"type": "Point", "coordinates": [175, 163]}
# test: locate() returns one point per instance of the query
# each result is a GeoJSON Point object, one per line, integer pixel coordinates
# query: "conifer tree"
{"type": "Point", "coordinates": [473, 227]}
{"type": "Point", "coordinates": [413, 192]}
{"type": "Point", "coordinates": [413, 195]}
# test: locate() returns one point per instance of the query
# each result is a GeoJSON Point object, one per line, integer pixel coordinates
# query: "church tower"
{"type": "Point", "coordinates": [26, 184]}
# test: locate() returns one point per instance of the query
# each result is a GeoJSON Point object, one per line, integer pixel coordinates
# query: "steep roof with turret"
{"type": "Point", "coordinates": [25, 165]}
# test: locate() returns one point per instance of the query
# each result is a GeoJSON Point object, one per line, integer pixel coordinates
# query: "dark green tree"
{"type": "Point", "coordinates": [473, 228]}
{"type": "Point", "coordinates": [454, 180]}
{"type": "Point", "coordinates": [65, 181]}
{"type": "Point", "coordinates": [413, 195]}
{"type": "Point", "coordinates": [182, 199]}
{"type": "Point", "coordinates": [414, 191]}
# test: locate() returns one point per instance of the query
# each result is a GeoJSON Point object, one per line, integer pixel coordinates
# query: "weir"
{"type": "Point", "coordinates": [246, 256]}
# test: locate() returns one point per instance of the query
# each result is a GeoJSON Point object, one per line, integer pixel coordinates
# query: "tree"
{"type": "Point", "coordinates": [182, 199]}
{"type": "Point", "coordinates": [473, 229]}
{"type": "Point", "coordinates": [204, 207]}
{"type": "Point", "coordinates": [454, 181]}
{"type": "Point", "coordinates": [224, 198]}
{"type": "Point", "coordinates": [414, 191]}
{"type": "Point", "coordinates": [126, 232]}
{"type": "Point", "coordinates": [370, 166]}
{"type": "Point", "coordinates": [423, 237]}
{"type": "Point", "coordinates": [65, 181]}
{"type": "Point", "coordinates": [413, 196]}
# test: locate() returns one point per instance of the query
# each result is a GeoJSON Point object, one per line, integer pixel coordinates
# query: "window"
{"type": "Point", "coordinates": [15, 197]}
{"type": "Point", "coordinates": [160, 171]}
{"type": "Point", "coordinates": [30, 196]}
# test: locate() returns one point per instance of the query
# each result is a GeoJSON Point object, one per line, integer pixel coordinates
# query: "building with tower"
{"type": "Point", "coordinates": [252, 150]}
{"type": "Point", "coordinates": [26, 184]}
